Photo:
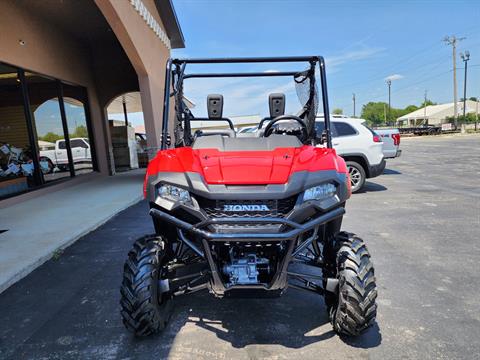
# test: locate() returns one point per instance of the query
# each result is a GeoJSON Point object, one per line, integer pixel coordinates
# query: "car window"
{"type": "Point", "coordinates": [75, 143]}
{"type": "Point", "coordinates": [320, 126]}
{"type": "Point", "coordinates": [61, 145]}
{"type": "Point", "coordinates": [343, 129]}
{"type": "Point", "coordinates": [369, 129]}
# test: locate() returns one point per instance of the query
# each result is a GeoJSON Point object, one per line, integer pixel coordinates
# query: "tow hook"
{"type": "Point", "coordinates": [332, 285]}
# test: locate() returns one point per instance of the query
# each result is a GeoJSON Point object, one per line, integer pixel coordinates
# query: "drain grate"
{"type": "Point", "coordinates": [2, 231]}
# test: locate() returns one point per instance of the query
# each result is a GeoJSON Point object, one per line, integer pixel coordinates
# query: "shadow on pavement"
{"type": "Point", "coordinates": [294, 320]}
{"type": "Point", "coordinates": [288, 320]}
{"type": "Point", "coordinates": [391, 172]}
{"type": "Point", "coordinates": [369, 339]}
{"type": "Point", "coordinates": [371, 187]}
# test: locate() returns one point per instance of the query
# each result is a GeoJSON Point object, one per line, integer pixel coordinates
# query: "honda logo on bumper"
{"type": "Point", "coordinates": [228, 207]}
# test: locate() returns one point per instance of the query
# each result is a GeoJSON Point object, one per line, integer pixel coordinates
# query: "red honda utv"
{"type": "Point", "coordinates": [234, 214]}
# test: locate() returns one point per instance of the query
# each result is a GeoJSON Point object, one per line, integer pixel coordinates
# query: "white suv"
{"type": "Point", "coordinates": [360, 146]}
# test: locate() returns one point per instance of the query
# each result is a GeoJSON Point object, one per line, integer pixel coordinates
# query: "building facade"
{"type": "Point", "coordinates": [62, 62]}
{"type": "Point", "coordinates": [437, 114]}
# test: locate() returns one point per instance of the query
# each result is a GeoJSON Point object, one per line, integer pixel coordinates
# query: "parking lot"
{"type": "Point", "coordinates": [421, 221]}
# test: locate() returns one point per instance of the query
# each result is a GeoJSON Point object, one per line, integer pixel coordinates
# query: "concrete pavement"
{"type": "Point", "coordinates": [420, 220]}
{"type": "Point", "coordinates": [39, 227]}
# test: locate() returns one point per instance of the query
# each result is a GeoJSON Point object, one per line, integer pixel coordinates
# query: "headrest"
{"type": "Point", "coordinates": [215, 106]}
{"type": "Point", "coordinates": [276, 103]}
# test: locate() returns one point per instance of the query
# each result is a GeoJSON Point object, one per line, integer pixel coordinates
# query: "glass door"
{"type": "Point", "coordinates": [53, 146]}
{"type": "Point", "coordinates": [75, 100]}
{"type": "Point", "coordinates": [16, 160]}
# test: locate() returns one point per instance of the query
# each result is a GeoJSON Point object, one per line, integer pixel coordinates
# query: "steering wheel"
{"type": "Point", "coordinates": [268, 128]}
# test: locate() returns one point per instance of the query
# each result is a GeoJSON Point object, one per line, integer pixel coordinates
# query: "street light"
{"type": "Point", "coordinates": [465, 57]}
{"type": "Point", "coordinates": [389, 83]}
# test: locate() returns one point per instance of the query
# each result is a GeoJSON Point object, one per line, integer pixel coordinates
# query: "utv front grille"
{"type": "Point", "coordinates": [247, 208]}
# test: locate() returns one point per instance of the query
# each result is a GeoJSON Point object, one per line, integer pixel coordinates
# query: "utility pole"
{"type": "Point", "coordinates": [425, 121]}
{"type": "Point", "coordinates": [353, 98]}
{"type": "Point", "coordinates": [389, 83]}
{"type": "Point", "coordinates": [465, 57]}
{"type": "Point", "coordinates": [385, 112]}
{"type": "Point", "coordinates": [453, 40]}
{"type": "Point", "coordinates": [476, 111]}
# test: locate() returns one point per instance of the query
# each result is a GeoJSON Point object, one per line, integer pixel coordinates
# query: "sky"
{"type": "Point", "coordinates": [48, 118]}
{"type": "Point", "coordinates": [363, 42]}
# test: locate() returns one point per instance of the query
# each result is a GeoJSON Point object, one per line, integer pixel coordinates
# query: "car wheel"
{"type": "Point", "coordinates": [357, 175]}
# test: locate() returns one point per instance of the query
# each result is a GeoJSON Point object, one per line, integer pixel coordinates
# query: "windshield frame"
{"type": "Point", "coordinates": [175, 75]}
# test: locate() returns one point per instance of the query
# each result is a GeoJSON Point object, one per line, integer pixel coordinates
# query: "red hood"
{"type": "Point", "coordinates": [246, 167]}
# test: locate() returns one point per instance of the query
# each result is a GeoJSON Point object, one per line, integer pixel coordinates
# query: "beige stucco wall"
{"type": "Point", "coordinates": [50, 52]}
{"type": "Point", "coordinates": [147, 54]}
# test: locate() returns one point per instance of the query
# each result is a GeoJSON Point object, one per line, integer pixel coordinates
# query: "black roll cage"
{"type": "Point", "coordinates": [175, 69]}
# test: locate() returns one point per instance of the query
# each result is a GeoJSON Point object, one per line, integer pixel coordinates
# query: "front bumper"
{"type": "Point", "coordinates": [376, 170]}
{"type": "Point", "coordinates": [297, 229]}
{"type": "Point", "coordinates": [290, 231]}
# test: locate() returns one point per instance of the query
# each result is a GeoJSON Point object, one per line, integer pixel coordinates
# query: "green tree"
{"type": "Point", "coordinates": [410, 108]}
{"type": "Point", "coordinates": [469, 118]}
{"type": "Point", "coordinates": [428, 103]}
{"type": "Point", "coordinates": [50, 137]}
{"type": "Point", "coordinates": [80, 131]}
{"type": "Point", "coordinates": [374, 112]}
{"type": "Point", "coordinates": [473, 98]}
{"type": "Point", "coordinates": [337, 111]}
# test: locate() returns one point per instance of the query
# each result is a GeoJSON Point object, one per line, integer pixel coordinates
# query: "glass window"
{"type": "Point", "coordinates": [78, 143]}
{"type": "Point", "coordinates": [16, 163]}
{"type": "Point", "coordinates": [344, 129]}
{"type": "Point", "coordinates": [369, 129]}
{"type": "Point", "coordinates": [320, 126]}
{"type": "Point", "coordinates": [43, 95]}
{"type": "Point", "coordinates": [75, 99]}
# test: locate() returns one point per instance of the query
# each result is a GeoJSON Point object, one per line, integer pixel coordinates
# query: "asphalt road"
{"type": "Point", "coordinates": [421, 221]}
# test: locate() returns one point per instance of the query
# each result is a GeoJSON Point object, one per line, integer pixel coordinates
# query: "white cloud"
{"type": "Point", "coordinates": [334, 62]}
{"type": "Point", "coordinates": [394, 77]}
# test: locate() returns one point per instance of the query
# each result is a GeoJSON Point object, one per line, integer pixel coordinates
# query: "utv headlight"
{"type": "Point", "coordinates": [173, 193]}
{"type": "Point", "coordinates": [320, 192]}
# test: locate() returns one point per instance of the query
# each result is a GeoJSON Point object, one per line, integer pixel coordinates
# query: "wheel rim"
{"type": "Point", "coordinates": [355, 177]}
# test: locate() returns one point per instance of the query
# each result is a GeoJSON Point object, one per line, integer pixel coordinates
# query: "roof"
{"type": "Point", "coordinates": [437, 110]}
{"type": "Point", "coordinates": [133, 102]}
{"type": "Point", "coordinates": [342, 118]}
{"type": "Point", "coordinates": [170, 21]}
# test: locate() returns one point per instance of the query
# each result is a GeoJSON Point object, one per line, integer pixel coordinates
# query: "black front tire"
{"type": "Point", "coordinates": [354, 308]}
{"type": "Point", "coordinates": [144, 309]}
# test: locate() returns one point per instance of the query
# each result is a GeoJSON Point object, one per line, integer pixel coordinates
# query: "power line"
{"type": "Point", "coordinates": [374, 79]}
{"type": "Point", "coordinates": [411, 85]}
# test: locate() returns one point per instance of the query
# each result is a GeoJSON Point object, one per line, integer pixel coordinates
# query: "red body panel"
{"type": "Point", "coordinates": [246, 167]}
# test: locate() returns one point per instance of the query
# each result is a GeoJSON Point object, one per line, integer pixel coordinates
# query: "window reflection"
{"type": "Point", "coordinates": [16, 165]}
{"type": "Point", "coordinates": [77, 130]}
{"type": "Point", "coordinates": [47, 119]}
{"type": "Point", "coordinates": [44, 131]}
